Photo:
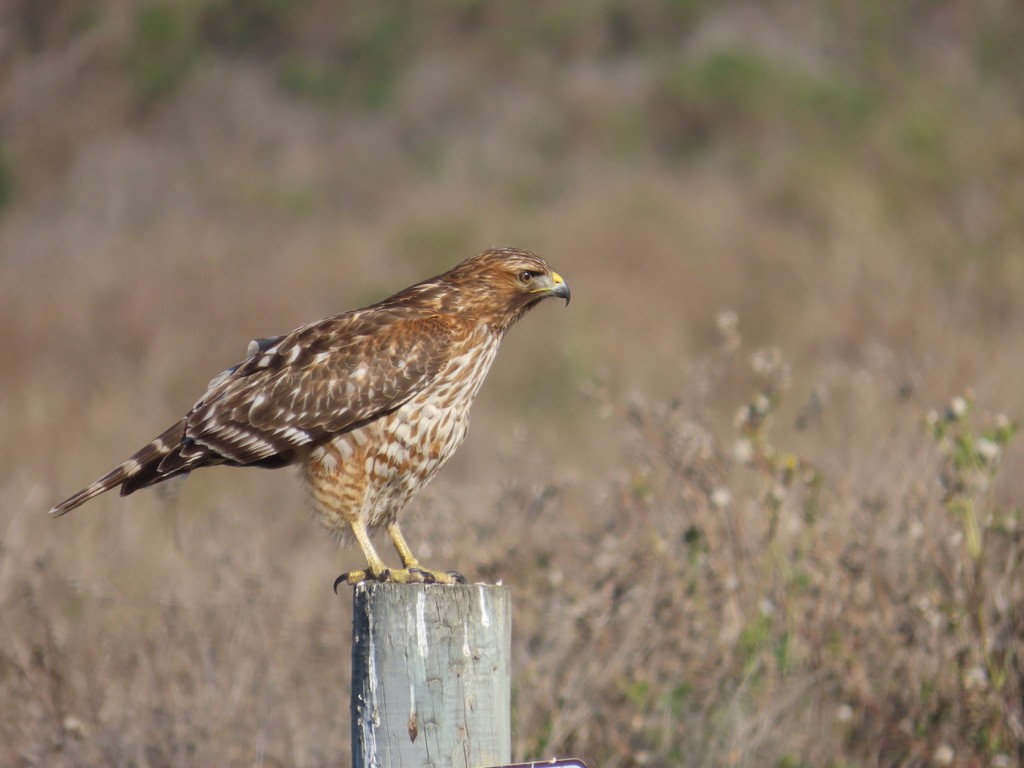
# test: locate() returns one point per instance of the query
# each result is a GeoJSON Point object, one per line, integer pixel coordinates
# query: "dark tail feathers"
{"type": "Point", "coordinates": [140, 471]}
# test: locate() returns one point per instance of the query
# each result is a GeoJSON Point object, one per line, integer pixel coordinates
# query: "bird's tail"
{"type": "Point", "coordinates": [141, 470]}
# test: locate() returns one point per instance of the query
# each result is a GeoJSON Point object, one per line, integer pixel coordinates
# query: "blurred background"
{"type": "Point", "coordinates": [756, 491]}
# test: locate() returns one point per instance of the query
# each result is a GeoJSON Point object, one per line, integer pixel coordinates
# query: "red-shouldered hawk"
{"type": "Point", "coordinates": [369, 403]}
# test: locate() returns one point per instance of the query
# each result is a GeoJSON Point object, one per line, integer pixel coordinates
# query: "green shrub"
{"type": "Point", "coordinates": [163, 49]}
{"type": "Point", "coordinates": [7, 178]}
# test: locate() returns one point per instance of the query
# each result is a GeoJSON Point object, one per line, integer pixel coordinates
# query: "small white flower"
{"type": "Point", "coordinates": [742, 417]}
{"type": "Point", "coordinates": [727, 320]}
{"type": "Point", "coordinates": [766, 607]}
{"type": "Point", "coordinates": [74, 727]}
{"type": "Point", "coordinates": [844, 713]}
{"type": "Point", "coordinates": [988, 450]}
{"type": "Point", "coordinates": [728, 323]}
{"type": "Point", "coordinates": [958, 407]}
{"type": "Point", "coordinates": [721, 497]}
{"type": "Point", "coordinates": [743, 451]}
{"type": "Point", "coordinates": [766, 361]}
{"type": "Point", "coordinates": [762, 404]}
{"type": "Point", "coordinates": [943, 754]}
{"type": "Point", "coordinates": [975, 679]}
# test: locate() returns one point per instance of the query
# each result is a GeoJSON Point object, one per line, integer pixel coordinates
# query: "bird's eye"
{"type": "Point", "coordinates": [526, 276]}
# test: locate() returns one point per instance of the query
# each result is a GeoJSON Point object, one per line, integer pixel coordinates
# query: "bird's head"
{"type": "Point", "coordinates": [509, 281]}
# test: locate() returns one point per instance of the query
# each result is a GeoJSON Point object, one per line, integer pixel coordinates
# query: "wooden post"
{"type": "Point", "coordinates": [431, 676]}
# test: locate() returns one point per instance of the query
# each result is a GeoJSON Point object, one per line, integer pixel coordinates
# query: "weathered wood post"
{"type": "Point", "coordinates": [431, 676]}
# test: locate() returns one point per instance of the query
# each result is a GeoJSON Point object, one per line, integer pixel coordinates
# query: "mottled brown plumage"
{"type": "Point", "coordinates": [369, 403]}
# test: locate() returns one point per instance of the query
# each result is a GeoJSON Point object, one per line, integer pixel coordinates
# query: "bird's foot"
{"type": "Point", "coordinates": [413, 575]}
{"type": "Point", "coordinates": [418, 575]}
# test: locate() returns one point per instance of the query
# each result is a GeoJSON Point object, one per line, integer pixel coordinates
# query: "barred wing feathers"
{"type": "Point", "coordinates": [132, 474]}
{"type": "Point", "coordinates": [325, 378]}
{"type": "Point", "coordinates": [320, 380]}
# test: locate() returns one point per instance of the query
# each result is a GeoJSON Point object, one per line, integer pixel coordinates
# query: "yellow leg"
{"type": "Point", "coordinates": [414, 572]}
{"type": "Point", "coordinates": [408, 558]}
{"type": "Point", "coordinates": [376, 565]}
{"type": "Point", "coordinates": [410, 573]}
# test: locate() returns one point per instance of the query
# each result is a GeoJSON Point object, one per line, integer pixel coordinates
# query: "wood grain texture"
{"type": "Point", "coordinates": [431, 676]}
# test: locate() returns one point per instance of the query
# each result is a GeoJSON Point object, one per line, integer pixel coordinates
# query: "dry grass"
{"type": "Point", "coordinates": [761, 538]}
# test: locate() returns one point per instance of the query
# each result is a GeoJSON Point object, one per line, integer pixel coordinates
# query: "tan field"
{"type": "Point", "coordinates": [756, 491]}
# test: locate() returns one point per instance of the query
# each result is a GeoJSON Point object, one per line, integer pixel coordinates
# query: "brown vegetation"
{"type": "Point", "coordinates": [756, 491]}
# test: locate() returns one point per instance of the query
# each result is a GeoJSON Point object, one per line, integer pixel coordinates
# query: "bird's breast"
{"type": "Point", "coordinates": [387, 461]}
{"type": "Point", "coordinates": [424, 433]}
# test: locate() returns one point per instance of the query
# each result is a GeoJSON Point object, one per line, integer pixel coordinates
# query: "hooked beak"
{"type": "Point", "coordinates": [559, 288]}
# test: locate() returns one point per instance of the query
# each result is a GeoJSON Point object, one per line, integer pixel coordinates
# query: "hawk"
{"type": "Point", "coordinates": [369, 404]}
